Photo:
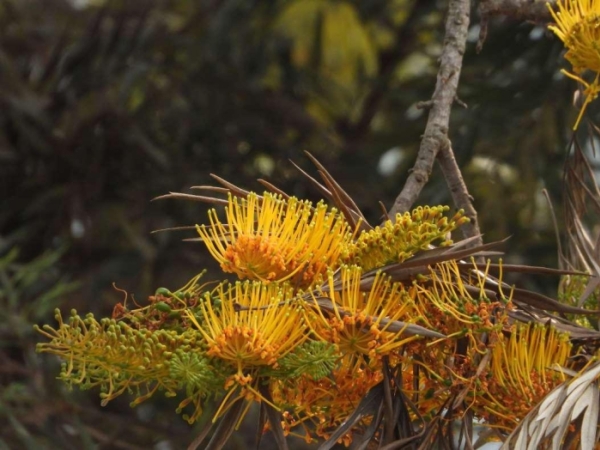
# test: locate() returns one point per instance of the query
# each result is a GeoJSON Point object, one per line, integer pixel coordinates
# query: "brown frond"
{"type": "Point", "coordinates": [582, 238]}
{"type": "Point", "coordinates": [332, 191]}
{"type": "Point", "coordinates": [340, 197]}
{"type": "Point", "coordinates": [568, 414]}
{"type": "Point", "coordinates": [272, 188]}
{"type": "Point", "coordinates": [196, 198]}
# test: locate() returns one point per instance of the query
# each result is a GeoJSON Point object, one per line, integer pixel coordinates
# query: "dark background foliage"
{"type": "Point", "coordinates": [105, 105]}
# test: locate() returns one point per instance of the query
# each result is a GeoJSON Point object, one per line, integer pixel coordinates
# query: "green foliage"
{"type": "Point", "coordinates": [193, 372]}
{"type": "Point", "coordinates": [29, 291]}
{"type": "Point", "coordinates": [159, 95]}
{"type": "Point", "coordinates": [571, 289]}
{"type": "Point", "coordinates": [313, 359]}
{"type": "Point", "coordinates": [340, 64]}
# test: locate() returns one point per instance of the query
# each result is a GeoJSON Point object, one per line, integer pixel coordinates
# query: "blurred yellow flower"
{"type": "Point", "coordinates": [271, 239]}
{"type": "Point", "coordinates": [577, 26]}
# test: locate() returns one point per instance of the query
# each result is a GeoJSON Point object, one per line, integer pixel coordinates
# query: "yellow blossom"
{"type": "Point", "coordinates": [454, 301]}
{"type": "Point", "coordinates": [253, 325]}
{"type": "Point", "coordinates": [271, 239]}
{"type": "Point", "coordinates": [249, 325]}
{"type": "Point", "coordinates": [524, 367]}
{"type": "Point", "coordinates": [577, 26]}
{"type": "Point", "coordinates": [119, 358]}
{"type": "Point", "coordinates": [359, 320]}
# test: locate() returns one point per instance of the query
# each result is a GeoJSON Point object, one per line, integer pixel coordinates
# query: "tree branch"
{"type": "Point", "coordinates": [436, 130]}
{"type": "Point", "coordinates": [533, 10]}
{"type": "Point", "coordinates": [520, 10]}
{"type": "Point", "coordinates": [459, 192]}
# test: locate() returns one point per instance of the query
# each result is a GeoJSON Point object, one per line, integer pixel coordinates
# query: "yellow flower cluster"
{"type": "Point", "coordinates": [320, 313]}
{"type": "Point", "coordinates": [252, 325]}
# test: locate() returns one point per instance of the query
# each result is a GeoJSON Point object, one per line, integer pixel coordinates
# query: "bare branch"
{"type": "Point", "coordinates": [531, 10]}
{"type": "Point", "coordinates": [459, 192]}
{"type": "Point", "coordinates": [436, 131]}
{"type": "Point", "coordinates": [520, 10]}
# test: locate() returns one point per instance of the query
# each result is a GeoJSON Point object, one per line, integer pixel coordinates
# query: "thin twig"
{"type": "Point", "coordinates": [520, 10]}
{"type": "Point", "coordinates": [436, 131]}
{"type": "Point", "coordinates": [459, 192]}
{"type": "Point", "coordinates": [535, 11]}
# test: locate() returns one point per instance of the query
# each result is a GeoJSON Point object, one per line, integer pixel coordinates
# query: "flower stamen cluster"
{"type": "Point", "coordinates": [525, 366]}
{"type": "Point", "coordinates": [271, 239]}
{"type": "Point", "coordinates": [359, 320]}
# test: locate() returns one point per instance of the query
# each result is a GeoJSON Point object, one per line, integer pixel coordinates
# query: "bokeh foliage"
{"type": "Point", "coordinates": [107, 104]}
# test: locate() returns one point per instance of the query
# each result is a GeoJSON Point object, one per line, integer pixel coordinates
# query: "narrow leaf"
{"type": "Point", "coordinates": [368, 406]}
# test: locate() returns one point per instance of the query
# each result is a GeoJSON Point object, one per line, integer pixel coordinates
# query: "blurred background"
{"type": "Point", "coordinates": [105, 105]}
